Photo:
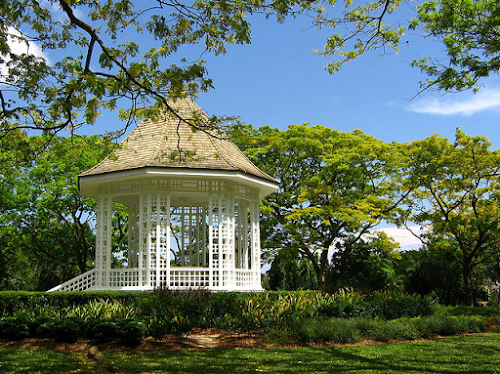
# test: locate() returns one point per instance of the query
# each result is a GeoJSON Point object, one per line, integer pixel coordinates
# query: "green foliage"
{"type": "Point", "coordinates": [112, 70]}
{"type": "Point", "coordinates": [334, 187]}
{"type": "Point", "coordinates": [13, 328]}
{"type": "Point", "coordinates": [290, 272]}
{"type": "Point", "coordinates": [385, 331]}
{"type": "Point", "coordinates": [173, 311]}
{"type": "Point", "coordinates": [435, 273]}
{"type": "Point", "coordinates": [62, 329]}
{"type": "Point", "coordinates": [332, 330]}
{"type": "Point", "coordinates": [365, 266]}
{"type": "Point", "coordinates": [307, 316]}
{"type": "Point", "coordinates": [448, 325]}
{"type": "Point", "coordinates": [341, 330]}
{"type": "Point", "coordinates": [101, 309]}
{"type": "Point", "coordinates": [288, 308]}
{"type": "Point", "coordinates": [131, 332]}
{"type": "Point", "coordinates": [45, 221]}
{"type": "Point", "coordinates": [468, 31]}
{"type": "Point", "coordinates": [455, 198]}
{"type": "Point", "coordinates": [380, 305]}
{"type": "Point", "coordinates": [102, 330]}
{"type": "Point", "coordinates": [463, 310]}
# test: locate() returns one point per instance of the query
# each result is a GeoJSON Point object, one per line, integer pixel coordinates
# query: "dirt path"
{"type": "Point", "coordinates": [197, 339]}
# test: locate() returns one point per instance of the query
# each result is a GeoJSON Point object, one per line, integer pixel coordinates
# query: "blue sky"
{"type": "Point", "coordinates": [277, 81]}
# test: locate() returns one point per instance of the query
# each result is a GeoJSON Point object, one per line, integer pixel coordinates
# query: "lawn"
{"type": "Point", "coordinates": [478, 353]}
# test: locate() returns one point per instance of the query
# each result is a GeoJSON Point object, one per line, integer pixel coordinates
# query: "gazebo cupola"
{"type": "Point", "coordinates": [192, 202]}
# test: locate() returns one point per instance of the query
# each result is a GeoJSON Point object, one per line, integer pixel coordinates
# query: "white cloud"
{"type": "Point", "coordinates": [20, 46]}
{"type": "Point", "coordinates": [403, 236]}
{"type": "Point", "coordinates": [466, 104]}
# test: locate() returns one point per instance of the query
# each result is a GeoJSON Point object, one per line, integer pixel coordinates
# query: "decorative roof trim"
{"type": "Point", "coordinates": [88, 183]}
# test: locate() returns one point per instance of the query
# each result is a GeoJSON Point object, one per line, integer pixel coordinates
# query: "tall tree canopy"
{"type": "Point", "coordinates": [89, 56]}
{"type": "Point", "coordinates": [469, 32]}
{"type": "Point", "coordinates": [456, 199]}
{"type": "Point", "coordinates": [334, 188]}
{"type": "Point", "coordinates": [63, 62]}
{"type": "Point", "coordinates": [44, 219]}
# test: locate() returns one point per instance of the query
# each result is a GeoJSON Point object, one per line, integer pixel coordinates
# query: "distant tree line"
{"type": "Point", "coordinates": [337, 188]}
{"type": "Point", "coordinates": [319, 231]}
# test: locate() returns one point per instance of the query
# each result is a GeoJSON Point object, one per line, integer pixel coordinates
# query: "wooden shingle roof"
{"type": "Point", "coordinates": [170, 142]}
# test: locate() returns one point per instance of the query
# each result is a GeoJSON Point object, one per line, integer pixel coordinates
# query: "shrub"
{"type": "Point", "coordinates": [252, 313]}
{"type": "Point", "coordinates": [131, 332]}
{"type": "Point", "coordinates": [388, 305]}
{"type": "Point", "coordinates": [332, 330]}
{"type": "Point", "coordinates": [13, 328]}
{"type": "Point", "coordinates": [385, 305]}
{"type": "Point", "coordinates": [107, 310]}
{"type": "Point", "coordinates": [101, 330]}
{"type": "Point", "coordinates": [64, 329]}
{"type": "Point", "coordinates": [448, 325]}
{"type": "Point", "coordinates": [180, 310]}
{"type": "Point", "coordinates": [291, 307]}
{"type": "Point", "coordinates": [385, 331]}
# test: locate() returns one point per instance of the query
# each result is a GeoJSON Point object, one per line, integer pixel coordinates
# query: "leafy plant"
{"type": "Point", "coordinates": [104, 309]}
{"type": "Point", "coordinates": [332, 330]}
{"type": "Point", "coordinates": [64, 329]}
{"type": "Point", "coordinates": [13, 328]}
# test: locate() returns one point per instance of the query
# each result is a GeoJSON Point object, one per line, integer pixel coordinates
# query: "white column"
{"type": "Point", "coordinates": [168, 241]}
{"type": "Point", "coordinates": [103, 240]}
{"type": "Point", "coordinates": [255, 265]}
{"type": "Point", "coordinates": [158, 240]}
{"type": "Point", "coordinates": [226, 240]}
{"type": "Point", "coordinates": [211, 242]}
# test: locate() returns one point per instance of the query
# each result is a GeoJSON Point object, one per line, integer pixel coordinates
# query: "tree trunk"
{"type": "Point", "coordinates": [469, 292]}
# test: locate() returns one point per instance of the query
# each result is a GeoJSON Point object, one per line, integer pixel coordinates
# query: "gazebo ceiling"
{"type": "Point", "coordinates": [169, 146]}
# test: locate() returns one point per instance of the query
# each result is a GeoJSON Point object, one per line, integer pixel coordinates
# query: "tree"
{"type": "Point", "coordinates": [81, 58]}
{"type": "Point", "coordinates": [89, 59]}
{"type": "Point", "coordinates": [64, 62]}
{"type": "Point", "coordinates": [365, 266]}
{"type": "Point", "coordinates": [291, 272]}
{"type": "Point", "coordinates": [334, 188]}
{"type": "Point", "coordinates": [46, 219]}
{"type": "Point", "coordinates": [468, 30]}
{"type": "Point", "coordinates": [426, 272]}
{"type": "Point", "coordinates": [456, 199]}
{"type": "Point", "coordinates": [13, 158]}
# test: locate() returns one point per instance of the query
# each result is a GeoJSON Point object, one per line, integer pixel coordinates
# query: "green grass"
{"type": "Point", "coordinates": [477, 353]}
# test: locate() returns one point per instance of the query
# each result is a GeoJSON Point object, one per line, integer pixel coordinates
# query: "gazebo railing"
{"type": "Point", "coordinates": [177, 278]}
{"type": "Point", "coordinates": [83, 282]}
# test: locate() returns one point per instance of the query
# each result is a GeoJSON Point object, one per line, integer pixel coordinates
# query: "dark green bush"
{"type": "Point", "coordinates": [63, 329]}
{"type": "Point", "coordinates": [131, 332]}
{"type": "Point", "coordinates": [385, 331]}
{"type": "Point", "coordinates": [13, 328]}
{"type": "Point", "coordinates": [379, 305]}
{"type": "Point", "coordinates": [448, 325]}
{"type": "Point", "coordinates": [180, 309]}
{"type": "Point", "coordinates": [101, 330]}
{"type": "Point", "coordinates": [308, 316]}
{"type": "Point", "coordinates": [332, 330]}
{"type": "Point", "coordinates": [391, 306]}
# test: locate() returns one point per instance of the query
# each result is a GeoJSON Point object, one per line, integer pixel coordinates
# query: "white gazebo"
{"type": "Point", "coordinates": [192, 202]}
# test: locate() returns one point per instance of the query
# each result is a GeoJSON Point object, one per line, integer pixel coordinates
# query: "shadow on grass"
{"type": "Point", "coordinates": [18, 360]}
{"type": "Point", "coordinates": [464, 355]}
